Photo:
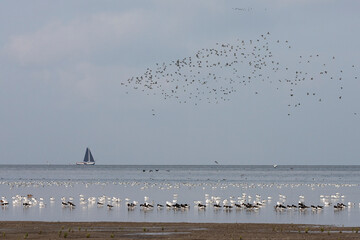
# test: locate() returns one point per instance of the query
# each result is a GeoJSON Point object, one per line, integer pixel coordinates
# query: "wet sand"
{"type": "Point", "coordinates": [149, 230]}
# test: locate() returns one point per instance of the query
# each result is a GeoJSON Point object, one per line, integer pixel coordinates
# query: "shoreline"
{"type": "Point", "coordinates": [165, 230]}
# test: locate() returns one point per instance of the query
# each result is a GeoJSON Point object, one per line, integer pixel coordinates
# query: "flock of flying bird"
{"type": "Point", "coordinates": [215, 74]}
{"type": "Point", "coordinates": [242, 202]}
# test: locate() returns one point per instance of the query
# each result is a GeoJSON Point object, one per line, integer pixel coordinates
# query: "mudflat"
{"type": "Point", "coordinates": [156, 230]}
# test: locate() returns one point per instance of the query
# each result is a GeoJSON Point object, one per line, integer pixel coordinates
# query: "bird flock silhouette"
{"type": "Point", "coordinates": [214, 74]}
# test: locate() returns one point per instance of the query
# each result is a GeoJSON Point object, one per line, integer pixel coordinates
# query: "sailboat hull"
{"type": "Point", "coordinates": [85, 163]}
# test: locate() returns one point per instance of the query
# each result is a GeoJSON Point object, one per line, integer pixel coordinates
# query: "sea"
{"type": "Point", "coordinates": [103, 192]}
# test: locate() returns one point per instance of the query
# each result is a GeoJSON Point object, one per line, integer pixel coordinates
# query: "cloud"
{"type": "Point", "coordinates": [77, 38]}
{"type": "Point", "coordinates": [162, 26]}
{"type": "Point", "coordinates": [89, 81]}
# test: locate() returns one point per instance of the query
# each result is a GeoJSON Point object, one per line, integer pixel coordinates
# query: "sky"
{"type": "Point", "coordinates": [65, 66]}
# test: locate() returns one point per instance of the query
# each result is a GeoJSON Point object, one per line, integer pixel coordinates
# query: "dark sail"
{"type": "Point", "coordinates": [91, 158]}
{"type": "Point", "coordinates": [86, 158]}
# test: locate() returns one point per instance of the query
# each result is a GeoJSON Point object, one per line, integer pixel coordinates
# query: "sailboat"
{"type": "Point", "coordinates": [88, 159]}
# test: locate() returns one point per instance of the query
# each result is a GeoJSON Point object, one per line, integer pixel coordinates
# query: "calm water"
{"type": "Point", "coordinates": [314, 185]}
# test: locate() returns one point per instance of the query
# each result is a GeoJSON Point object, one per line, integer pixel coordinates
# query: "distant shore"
{"type": "Point", "coordinates": [155, 230]}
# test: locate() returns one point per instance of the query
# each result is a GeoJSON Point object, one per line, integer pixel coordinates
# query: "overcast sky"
{"type": "Point", "coordinates": [62, 65]}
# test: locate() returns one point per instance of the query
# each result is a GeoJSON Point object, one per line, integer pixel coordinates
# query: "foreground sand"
{"type": "Point", "coordinates": [134, 230]}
